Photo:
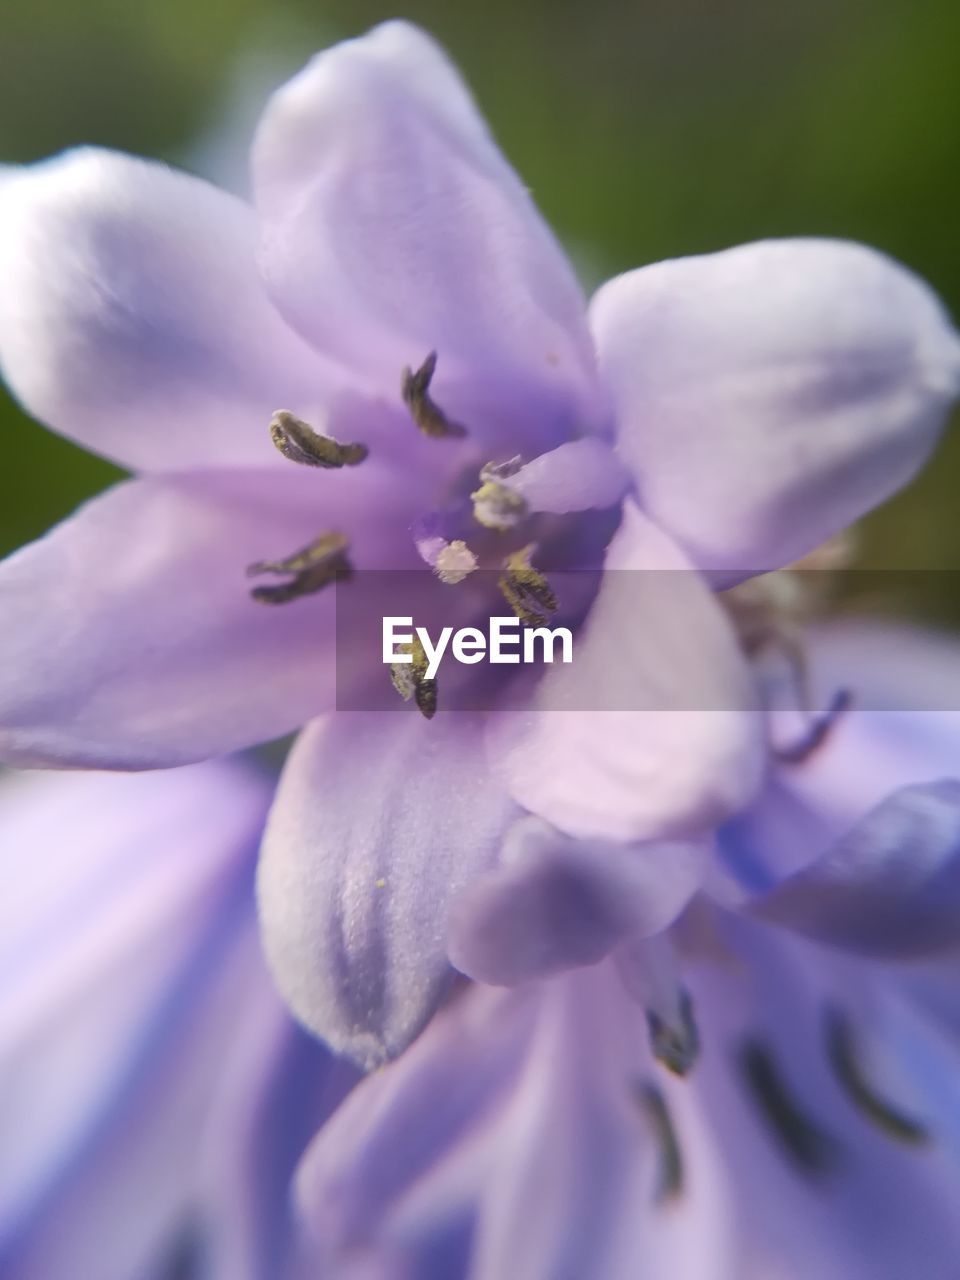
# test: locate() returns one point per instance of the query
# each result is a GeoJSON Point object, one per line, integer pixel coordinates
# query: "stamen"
{"type": "Point", "coordinates": [818, 732]}
{"type": "Point", "coordinates": [845, 1059]}
{"type": "Point", "coordinates": [495, 504]}
{"type": "Point", "coordinates": [454, 562]}
{"type": "Point", "coordinates": [300, 443]}
{"type": "Point", "coordinates": [426, 413]}
{"type": "Point", "coordinates": [410, 679]}
{"type": "Point", "coordinates": [313, 567]}
{"type": "Point", "coordinates": [675, 1044]}
{"type": "Point", "coordinates": [809, 1146]}
{"type": "Point", "coordinates": [670, 1177]}
{"type": "Point", "coordinates": [526, 590]}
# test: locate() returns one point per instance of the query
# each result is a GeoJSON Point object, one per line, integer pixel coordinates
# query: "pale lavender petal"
{"type": "Point", "coordinates": [891, 886]}
{"type": "Point", "coordinates": [429, 1108]}
{"type": "Point", "coordinates": [557, 903]}
{"type": "Point", "coordinates": [518, 1122]}
{"type": "Point", "coordinates": [768, 396]}
{"type": "Point", "coordinates": [577, 1187]}
{"type": "Point", "coordinates": [276, 1089]}
{"type": "Point", "coordinates": [651, 731]}
{"type": "Point", "coordinates": [119, 921]}
{"type": "Point", "coordinates": [380, 819]}
{"type": "Point", "coordinates": [824, 1187]}
{"type": "Point", "coordinates": [129, 637]}
{"type": "Point", "coordinates": [902, 729]}
{"type": "Point", "coordinates": [133, 320]}
{"type": "Point", "coordinates": [393, 226]}
{"type": "Point", "coordinates": [124, 1199]}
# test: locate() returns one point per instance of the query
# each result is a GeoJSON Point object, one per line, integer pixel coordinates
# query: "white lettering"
{"type": "Point", "coordinates": [549, 639]}
{"type": "Point", "coordinates": [433, 654]}
{"type": "Point", "coordinates": [469, 645]}
{"type": "Point", "coordinates": [391, 639]}
{"type": "Point", "coordinates": [499, 627]}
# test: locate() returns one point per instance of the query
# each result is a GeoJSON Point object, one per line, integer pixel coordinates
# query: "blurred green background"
{"type": "Point", "coordinates": [646, 130]}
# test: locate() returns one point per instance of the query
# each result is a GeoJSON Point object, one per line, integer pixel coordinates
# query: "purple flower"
{"type": "Point", "coordinates": [154, 1093]}
{"type": "Point", "coordinates": [451, 400]}
{"type": "Point", "coordinates": [768, 1089]}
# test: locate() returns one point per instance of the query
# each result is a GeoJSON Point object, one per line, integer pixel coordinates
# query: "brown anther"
{"type": "Point", "coordinates": [300, 443]}
{"type": "Point", "coordinates": [410, 680]}
{"type": "Point", "coordinates": [670, 1176]}
{"type": "Point", "coordinates": [844, 1055]}
{"type": "Point", "coordinates": [311, 569]}
{"type": "Point", "coordinates": [426, 413]}
{"type": "Point", "coordinates": [675, 1044]}
{"type": "Point", "coordinates": [819, 731]}
{"type": "Point", "coordinates": [526, 590]}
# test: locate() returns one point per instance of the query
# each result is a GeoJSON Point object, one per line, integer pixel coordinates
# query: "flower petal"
{"type": "Point", "coordinates": [405, 1121]}
{"type": "Point", "coordinates": [768, 396]}
{"type": "Point", "coordinates": [393, 226]}
{"type": "Point", "coordinates": [133, 320]}
{"type": "Point", "coordinates": [380, 819]}
{"type": "Point", "coordinates": [891, 886]}
{"type": "Point", "coordinates": [277, 1088]}
{"type": "Point", "coordinates": [119, 928]}
{"type": "Point", "coordinates": [558, 903]}
{"type": "Point", "coordinates": [130, 639]}
{"type": "Point", "coordinates": [902, 729]}
{"type": "Point", "coordinates": [651, 732]}
{"type": "Point", "coordinates": [517, 1123]}
{"type": "Point", "coordinates": [824, 1188]}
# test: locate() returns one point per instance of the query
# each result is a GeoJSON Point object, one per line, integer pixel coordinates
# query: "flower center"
{"type": "Point", "coordinates": [487, 524]}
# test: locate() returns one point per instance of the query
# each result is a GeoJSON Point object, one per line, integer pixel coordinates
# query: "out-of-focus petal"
{"type": "Point", "coordinates": [891, 886]}
{"type": "Point", "coordinates": [129, 638]}
{"type": "Point", "coordinates": [446, 1087]}
{"type": "Point", "coordinates": [276, 1089]}
{"type": "Point", "coordinates": [133, 319]}
{"type": "Point", "coordinates": [824, 1186]}
{"type": "Point", "coordinates": [380, 819]}
{"type": "Point", "coordinates": [768, 396]}
{"type": "Point", "coordinates": [393, 226]}
{"type": "Point", "coordinates": [518, 1123]}
{"type": "Point", "coordinates": [902, 729]}
{"type": "Point", "coordinates": [651, 731]}
{"type": "Point", "coordinates": [557, 903]}
{"type": "Point", "coordinates": [121, 930]}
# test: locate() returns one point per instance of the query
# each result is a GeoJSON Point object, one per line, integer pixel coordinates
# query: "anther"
{"type": "Point", "coordinates": [495, 504]}
{"type": "Point", "coordinates": [810, 1147]}
{"type": "Point", "coordinates": [300, 443]}
{"type": "Point", "coordinates": [526, 590]}
{"type": "Point", "coordinates": [426, 413]}
{"type": "Point", "coordinates": [670, 1175]}
{"type": "Point", "coordinates": [818, 731]}
{"type": "Point", "coordinates": [675, 1044]}
{"type": "Point", "coordinates": [844, 1057]}
{"type": "Point", "coordinates": [310, 569]}
{"type": "Point", "coordinates": [410, 679]}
